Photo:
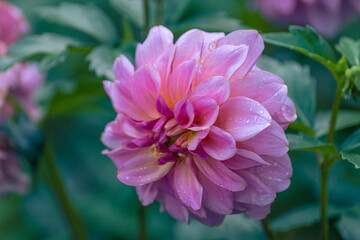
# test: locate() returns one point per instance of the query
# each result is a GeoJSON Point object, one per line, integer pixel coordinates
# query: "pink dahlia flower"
{"type": "Point", "coordinates": [326, 16]}
{"type": "Point", "coordinates": [199, 127]}
{"type": "Point", "coordinates": [11, 177]}
{"type": "Point", "coordinates": [21, 81]}
{"type": "Point", "coordinates": [12, 25]}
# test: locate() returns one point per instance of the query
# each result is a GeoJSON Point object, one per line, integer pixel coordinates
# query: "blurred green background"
{"type": "Point", "coordinates": [79, 110]}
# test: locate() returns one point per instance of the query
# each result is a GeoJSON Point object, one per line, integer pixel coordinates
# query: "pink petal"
{"type": "Point", "coordinates": [113, 136]}
{"type": "Point", "coordinates": [123, 69]}
{"type": "Point", "coordinates": [254, 211]}
{"type": "Point", "coordinates": [147, 193]}
{"type": "Point", "coordinates": [138, 167]}
{"type": "Point", "coordinates": [195, 140]}
{"type": "Point", "coordinates": [158, 40]}
{"type": "Point", "coordinates": [163, 65]}
{"type": "Point", "coordinates": [244, 159]}
{"type": "Point", "coordinates": [146, 89]}
{"type": "Point", "coordinates": [216, 87]}
{"type": "Point", "coordinates": [286, 114]}
{"type": "Point", "coordinates": [180, 81]}
{"type": "Point", "coordinates": [211, 219]}
{"type": "Point", "coordinates": [122, 101]}
{"type": "Point", "coordinates": [277, 175]}
{"type": "Point", "coordinates": [243, 118]}
{"type": "Point", "coordinates": [255, 44]}
{"type": "Point", "coordinates": [215, 198]}
{"type": "Point", "coordinates": [272, 142]}
{"type": "Point", "coordinates": [224, 61]}
{"type": "Point", "coordinates": [175, 208]}
{"type": "Point", "coordinates": [187, 186]}
{"type": "Point", "coordinates": [219, 144]}
{"type": "Point", "coordinates": [256, 192]}
{"type": "Point", "coordinates": [188, 47]}
{"type": "Point", "coordinates": [163, 108]}
{"type": "Point", "coordinates": [263, 87]}
{"type": "Point", "coordinates": [219, 174]}
{"type": "Point", "coordinates": [206, 111]}
{"type": "Point", "coordinates": [184, 113]}
{"type": "Point", "coordinates": [210, 42]}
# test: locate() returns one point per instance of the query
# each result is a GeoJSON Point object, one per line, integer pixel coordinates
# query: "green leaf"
{"type": "Point", "coordinates": [219, 22]}
{"type": "Point", "coordinates": [346, 118]}
{"type": "Point", "coordinates": [348, 225]}
{"type": "Point", "coordinates": [299, 83]}
{"type": "Point", "coordinates": [87, 18]}
{"type": "Point", "coordinates": [304, 40]}
{"type": "Point", "coordinates": [352, 156]}
{"type": "Point", "coordinates": [353, 141]}
{"type": "Point", "coordinates": [132, 10]}
{"type": "Point", "coordinates": [305, 143]}
{"type": "Point", "coordinates": [350, 49]}
{"type": "Point", "coordinates": [302, 216]}
{"type": "Point", "coordinates": [102, 59]}
{"type": "Point", "coordinates": [38, 46]}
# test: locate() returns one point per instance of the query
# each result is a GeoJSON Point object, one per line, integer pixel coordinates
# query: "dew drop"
{"type": "Point", "coordinates": [212, 46]}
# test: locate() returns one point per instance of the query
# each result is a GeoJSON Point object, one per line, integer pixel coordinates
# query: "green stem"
{"type": "Point", "coordinates": [147, 17]}
{"type": "Point", "coordinates": [76, 225]}
{"type": "Point", "coordinates": [142, 223]}
{"type": "Point", "coordinates": [268, 231]}
{"type": "Point", "coordinates": [324, 204]}
{"type": "Point", "coordinates": [327, 163]}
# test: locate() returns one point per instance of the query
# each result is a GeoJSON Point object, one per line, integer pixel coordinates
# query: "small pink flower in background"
{"type": "Point", "coordinates": [12, 179]}
{"type": "Point", "coordinates": [200, 128]}
{"type": "Point", "coordinates": [13, 25]}
{"type": "Point", "coordinates": [21, 81]}
{"type": "Point", "coordinates": [326, 16]}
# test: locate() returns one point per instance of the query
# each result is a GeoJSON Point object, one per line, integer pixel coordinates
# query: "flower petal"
{"type": "Point", "coordinates": [255, 43]}
{"type": "Point", "coordinates": [224, 61]}
{"type": "Point", "coordinates": [263, 87]}
{"type": "Point", "coordinates": [123, 102]}
{"type": "Point", "coordinates": [244, 159]}
{"type": "Point", "coordinates": [219, 144]}
{"type": "Point", "coordinates": [123, 69]}
{"type": "Point", "coordinates": [216, 87]}
{"type": "Point", "coordinates": [146, 89]}
{"type": "Point", "coordinates": [174, 207]}
{"type": "Point", "coordinates": [272, 142]}
{"type": "Point", "coordinates": [163, 108]}
{"type": "Point", "coordinates": [206, 111]}
{"type": "Point", "coordinates": [188, 47]}
{"type": "Point", "coordinates": [187, 186]}
{"type": "Point", "coordinates": [219, 174]}
{"type": "Point", "coordinates": [180, 81]}
{"type": "Point", "coordinates": [243, 118]}
{"type": "Point", "coordinates": [158, 40]}
{"type": "Point", "coordinates": [286, 114]}
{"type": "Point", "coordinates": [184, 113]}
{"type": "Point", "coordinates": [215, 198]}
{"type": "Point", "coordinates": [210, 42]}
{"type": "Point", "coordinates": [277, 175]}
{"type": "Point", "coordinates": [256, 192]}
{"type": "Point", "coordinates": [147, 193]}
{"type": "Point", "coordinates": [138, 167]}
